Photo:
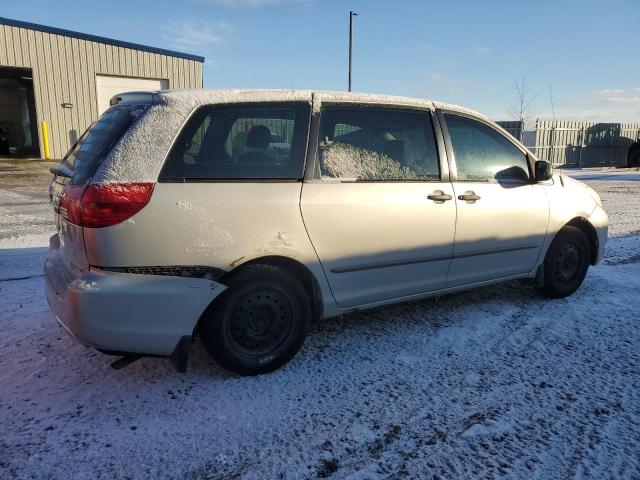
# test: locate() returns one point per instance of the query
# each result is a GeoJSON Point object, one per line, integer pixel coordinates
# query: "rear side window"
{"type": "Point", "coordinates": [259, 141]}
{"type": "Point", "coordinates": [86, 155]}
{"type": "Point", "coordinates": [483, 154]}
{"type": "Point", "coordinates": [377, 144]}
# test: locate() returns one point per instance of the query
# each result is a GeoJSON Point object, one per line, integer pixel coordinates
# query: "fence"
{"type": "Point", "coordinates": [514, 127]}
{"type": "Point", "coordinates": [580, 144]}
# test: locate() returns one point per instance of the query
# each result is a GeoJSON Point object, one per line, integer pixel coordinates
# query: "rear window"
{"type": "Point", "coordinates": [257, 141]}
{"type": "Point", "coordinates": [86, 155]}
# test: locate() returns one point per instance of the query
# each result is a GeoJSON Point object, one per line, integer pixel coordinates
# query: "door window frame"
{"type": "Point", "coordinates": [312, 168]}
{"type": "Point", "coordinates": [453, 169]}
{"type": "Point", "coordinates": [306, 121]}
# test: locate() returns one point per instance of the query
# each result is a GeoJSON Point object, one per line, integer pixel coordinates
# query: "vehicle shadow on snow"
{"type": "Point", "coordinates": [361, 330]}
{"type": "Point", "coordinates": [364, 329]}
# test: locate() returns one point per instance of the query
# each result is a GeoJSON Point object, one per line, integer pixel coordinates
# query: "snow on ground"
{"type": "Point", "coordinates": [496, 382]}
{"type": "Point", "coordinates": [25, 215]}
{"type": "Point", "coordinates": [620, 193]}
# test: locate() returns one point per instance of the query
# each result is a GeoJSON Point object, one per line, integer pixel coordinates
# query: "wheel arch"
{"type": "Point", "coordinates": [296, 268]}
{"type": "Point", "coordinates": [590, 232]}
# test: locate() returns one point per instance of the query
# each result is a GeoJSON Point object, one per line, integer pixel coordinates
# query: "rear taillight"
{"type": "Point", "coordinates": [71, 204]}
{"type": "Point", "coordinates": [96, 206]}
{"type": "Point", "coordinates": [112, 203]}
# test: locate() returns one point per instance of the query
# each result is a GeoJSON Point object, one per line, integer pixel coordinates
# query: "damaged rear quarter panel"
{"type": "Point", "coordinates": [217, 224]}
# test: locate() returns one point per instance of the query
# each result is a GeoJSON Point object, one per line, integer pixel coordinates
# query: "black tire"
{"type": "Point", "coordinates": [634, 158]}
{"type": "Point", "coordinates": [566, 263]}
{"type": "Point", "coordinates": [259, 323]}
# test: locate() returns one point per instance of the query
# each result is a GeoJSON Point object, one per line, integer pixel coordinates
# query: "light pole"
{"type": "Point", "coordinates": [351, 15]}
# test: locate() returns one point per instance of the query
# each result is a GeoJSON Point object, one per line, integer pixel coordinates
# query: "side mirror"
{"type": "Point", "coordinates": [543, 171]}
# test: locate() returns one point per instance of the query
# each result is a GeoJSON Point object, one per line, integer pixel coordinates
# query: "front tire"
{"type": "Point", "coordinates": [566, 263]}
{"type": "Point", "coordinates": [259, 323]}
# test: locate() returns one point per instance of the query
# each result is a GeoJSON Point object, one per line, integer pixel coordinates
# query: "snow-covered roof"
{"type": "Point", "coordinates": [196, 97]}
{"type": "Point", "coordinates": [208, 96]}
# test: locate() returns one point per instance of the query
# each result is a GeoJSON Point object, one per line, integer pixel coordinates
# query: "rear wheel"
{"type": "Point", "coordinates": [566, 263]}
{"type": "Point", "coordinates": [259, 323]}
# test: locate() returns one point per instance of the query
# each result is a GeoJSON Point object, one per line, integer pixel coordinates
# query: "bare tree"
{"type": "Point", "coordinates": [521, 108]}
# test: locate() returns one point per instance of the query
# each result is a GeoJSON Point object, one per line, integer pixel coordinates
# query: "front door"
{"type": "Point", "coordinates": [502, 215]}
{"type": "Point", "coordinates": [380, 219]}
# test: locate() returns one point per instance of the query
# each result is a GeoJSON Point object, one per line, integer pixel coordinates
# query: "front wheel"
{"type": "Point", "coordinates": [259, 323]}
{"type": "Point", "coordinates": [566, 263]}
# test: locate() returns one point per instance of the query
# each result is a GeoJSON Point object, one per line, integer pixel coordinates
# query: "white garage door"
{"type": "Point", "coordinates": [108, 86]}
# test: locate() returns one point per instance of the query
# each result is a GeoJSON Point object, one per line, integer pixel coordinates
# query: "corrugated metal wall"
{"type": "Point", "coordinates": [64, 70]}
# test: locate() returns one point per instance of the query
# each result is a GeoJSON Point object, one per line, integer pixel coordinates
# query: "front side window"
{"type": "Point", "coordinates": [259, 141]}
{"type": "Point", "coordinates": [377, 144]}
{"type": "Point", "coordinates": [482, 154]}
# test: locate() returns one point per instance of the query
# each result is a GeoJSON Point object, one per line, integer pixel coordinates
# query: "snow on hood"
{"type": "Point", "coordinates": [140, 154]}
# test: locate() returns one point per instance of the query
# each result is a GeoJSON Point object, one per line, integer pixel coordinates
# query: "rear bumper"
{"type": "Point", "coordinates": [600, 221]}
{"type": "Point", "coordinates": [128, 313]}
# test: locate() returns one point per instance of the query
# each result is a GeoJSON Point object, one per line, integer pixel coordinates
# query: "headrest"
{"type": "Point", "coordinates": [259, 137]}
{"type": "Point", "coordinates": [396, 149]}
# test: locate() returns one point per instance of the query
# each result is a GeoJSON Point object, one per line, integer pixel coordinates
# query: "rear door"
{"type": "Point", "coordinates": [379, 210]}
{"type": "Point", "coordinates": [502, 214]}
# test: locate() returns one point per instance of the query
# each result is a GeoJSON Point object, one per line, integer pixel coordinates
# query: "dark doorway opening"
{"type": "Point", "coordinates": [18, 125]}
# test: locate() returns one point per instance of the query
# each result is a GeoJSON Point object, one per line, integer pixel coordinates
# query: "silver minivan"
{"type": "Point", "coordinates": [245, 215]}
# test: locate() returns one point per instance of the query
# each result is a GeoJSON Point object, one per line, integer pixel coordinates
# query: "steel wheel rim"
{"type": "Point", "coordinates": [261, 321]}
{"type": "Point", "coordinates": [567, 263]}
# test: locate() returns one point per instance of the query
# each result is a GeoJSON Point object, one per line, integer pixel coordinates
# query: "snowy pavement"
{"type": "Point", "coordinates": [25, 214]}
{"type": "Point", "coordinates": [492, 383]}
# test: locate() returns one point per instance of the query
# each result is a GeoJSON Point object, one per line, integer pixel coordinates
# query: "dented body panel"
{"type": "Point", "coordinates": [220, 225]}
{"type": "Point", "coordinates": [138, 314]}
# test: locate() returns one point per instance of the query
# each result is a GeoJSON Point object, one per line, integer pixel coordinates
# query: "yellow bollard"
{"type": "Point", "coordinates": [45, 140]}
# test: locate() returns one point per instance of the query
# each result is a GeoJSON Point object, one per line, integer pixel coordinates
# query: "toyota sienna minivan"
{"type": "Point", "coordinates": [245, 215]}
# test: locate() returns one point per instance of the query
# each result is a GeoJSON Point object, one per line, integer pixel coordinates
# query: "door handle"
{"type": "Point", "coordinates": [439, 196]}
{"type": "Point", "coordinates": [469, 196]}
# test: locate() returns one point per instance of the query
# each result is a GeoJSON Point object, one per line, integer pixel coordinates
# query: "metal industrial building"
{"type": "Point", "coordinates": [65, 79]}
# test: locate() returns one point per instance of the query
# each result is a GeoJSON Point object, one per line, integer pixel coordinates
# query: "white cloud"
{"type": "Point", "coordinates": [609, 115]}
{"type": "Point", "coordinates": [254, 3]}
{"type": "Point", "coordinates": [625, 100]}
{"type": "Point", "coordinates": [199, 37]}
{"type": "Point", "coordinates": [482, 50]}
{"type": "Point", "coordinates": [606, 92]}
{"type": "Point", "coordinates": [619, 96]}
{"type": "Point", "coordinates": [613, 105]}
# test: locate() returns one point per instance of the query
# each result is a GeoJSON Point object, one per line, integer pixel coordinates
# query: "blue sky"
{"type": "Point", "coordinates": [465, 52]}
